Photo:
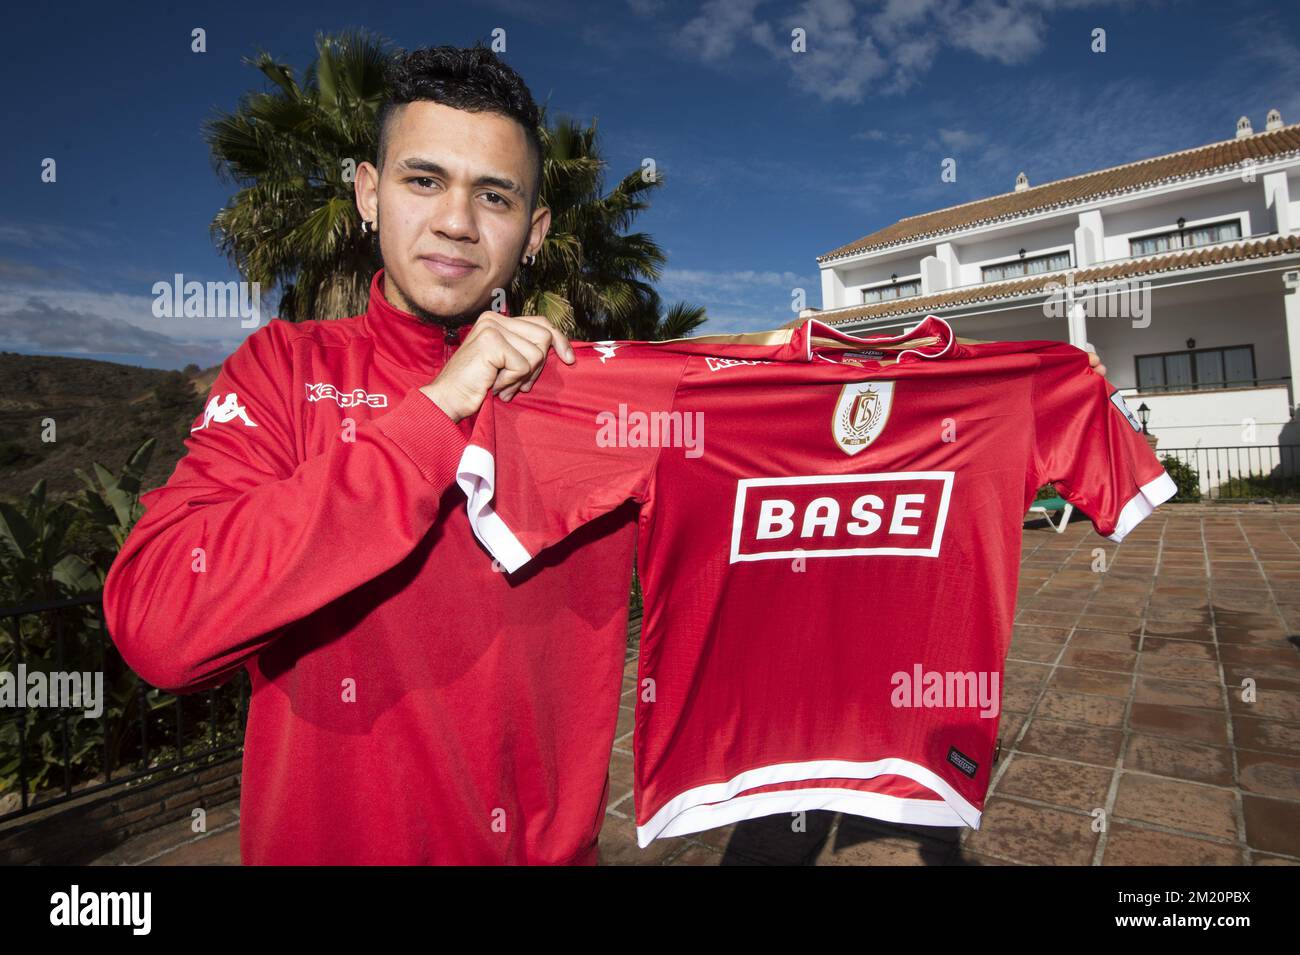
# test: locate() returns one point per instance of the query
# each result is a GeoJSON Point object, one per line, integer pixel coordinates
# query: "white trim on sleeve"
{"type": "Point", "coordinates": [1153, 493]}
{"type": "Point", "coordinates": [476, 475]}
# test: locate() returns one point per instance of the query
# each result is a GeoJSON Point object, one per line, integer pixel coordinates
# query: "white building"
{"type": "Point", "coordinates": [1182, 271]}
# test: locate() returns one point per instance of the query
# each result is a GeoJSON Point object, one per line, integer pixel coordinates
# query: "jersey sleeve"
{"type": "Point", "coordinates": [583, 441]}
{"type": "Point", "coordinates": [1090, 446]}
{"type": "Point", "coordinates": [244, 538]}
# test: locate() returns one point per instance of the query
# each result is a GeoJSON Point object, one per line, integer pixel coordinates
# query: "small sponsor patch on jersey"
{"type": "Point", "coordinates": [869, 353]}
{"type": "Point", "coordinates": [1118, 401]}
{"type": "Point", "coordinates": [962, 761]}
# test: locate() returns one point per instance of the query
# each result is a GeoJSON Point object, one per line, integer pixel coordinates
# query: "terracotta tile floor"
{"type": "Point", "coordinates": [1125, 736]}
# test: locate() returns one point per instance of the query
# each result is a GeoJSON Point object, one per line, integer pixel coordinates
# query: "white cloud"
{"type": "Point", "coordinates": [739, 300]}
{"type": "Point", "coordinates": [714, 33]}
{"type": "Point", "coordinates": [38, 318]}
{"type": "Point", "coordinates": [857, 48]}
{"type": "Point", "coordinates": [1007, 33]}
{"type": "Point", "coordinates": [647, 8]}
{"type": "Point", "coordinates": [959, 138]}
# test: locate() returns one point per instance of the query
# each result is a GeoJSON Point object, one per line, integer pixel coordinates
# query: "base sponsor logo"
{"type": "Point", "coordinates": [840, 515]}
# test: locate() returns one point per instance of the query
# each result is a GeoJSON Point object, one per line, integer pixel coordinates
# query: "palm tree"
{"type": "Point", "coordinates": [590, 279]}
{"type": "Point", "coordinates": [293, 223]}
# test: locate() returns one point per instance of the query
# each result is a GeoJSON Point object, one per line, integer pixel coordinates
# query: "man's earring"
{"type": "Point", "coordinates": [530, 259]}
{"type": "Point", "coordinates": [367, 227]}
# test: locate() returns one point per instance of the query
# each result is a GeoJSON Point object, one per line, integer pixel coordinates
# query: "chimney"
{"type": "Point", "coordinates": [1243, 128]}
{"type": "Point", "coordinates": [1273, 122]}
{"type": "Point", "coordinates": [1022, 182]}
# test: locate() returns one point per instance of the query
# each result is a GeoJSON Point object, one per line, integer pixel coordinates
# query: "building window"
{"type": "Point", "coordinates": [1186, 238]}
{"type": "Point", "coordinates": [1197, 370]}
{"type": "Point", "coordinates": [887, 293]}
{"type": "Point", "coordinates": [1017, 268]}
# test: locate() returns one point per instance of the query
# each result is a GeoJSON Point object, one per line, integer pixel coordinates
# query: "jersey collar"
{"type": "Point", "coordinates": [403, 338]}
{"type": "Point", "coordinates": [932, 337]}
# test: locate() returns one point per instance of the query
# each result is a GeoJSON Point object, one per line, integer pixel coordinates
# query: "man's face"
{"type": "Point", "coordinates": [452, 209]}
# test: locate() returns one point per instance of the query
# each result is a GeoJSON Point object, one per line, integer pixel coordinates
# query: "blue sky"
{"type": "Point", "coordinates": [770, 158]}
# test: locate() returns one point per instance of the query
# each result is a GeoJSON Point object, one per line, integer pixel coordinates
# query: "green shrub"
{"type": "Point", "coordinates": [175, 392]}
{"type": "Point", "coordinates": [1254, 486]}
{"type": "Point", "coordinates": [1045, 492]}
{"type": "Point", "coordinates": [11, 452]}
{"type": "Point", "coordinates": [1185, 476]}
{"type": "Point", "coordinates": [52, 549]}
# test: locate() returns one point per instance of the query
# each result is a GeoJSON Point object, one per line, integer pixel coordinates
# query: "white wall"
{"type": "Point", "coordinates": [1293, 187]}
{"type": "Point", "coordinates": [832, 289]}
{"type": "Point", "coordinates": [1240, 200]}
{"type": "Point", "coordinates": [1213, 319]}
{"type": "Point", "coordinates": [1056, 235]}
{"type": "Point", "coordinates": [1213, 419]}
{"type": "Point", "coordinates": [853, 278]}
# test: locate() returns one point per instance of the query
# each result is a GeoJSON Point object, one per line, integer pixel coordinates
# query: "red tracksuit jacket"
{"type": "Point", "coordinates": [410, 704]}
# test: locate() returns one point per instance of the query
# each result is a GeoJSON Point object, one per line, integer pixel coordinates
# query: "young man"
{"type": "Point", "coordinates": [410, 704]}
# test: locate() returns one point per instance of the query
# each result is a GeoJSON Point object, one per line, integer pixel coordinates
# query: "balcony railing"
{"type": "Point", "coordinates": [1250, 473]}
{"type": "Point", "coordinates": [1198, 387]}
{"type": "Point", "coordinates": [51, 754]}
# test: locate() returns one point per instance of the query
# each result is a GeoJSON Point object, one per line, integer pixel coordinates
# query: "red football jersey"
{"type": "Point", "coordinates": [829, 543]}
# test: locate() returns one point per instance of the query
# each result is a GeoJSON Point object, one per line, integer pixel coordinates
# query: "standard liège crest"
{"type": "Point", "coordinates": [861, 413]}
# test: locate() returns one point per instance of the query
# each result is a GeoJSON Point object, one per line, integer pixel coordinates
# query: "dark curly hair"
{"type": "Point", "coordinates": [473, 79]}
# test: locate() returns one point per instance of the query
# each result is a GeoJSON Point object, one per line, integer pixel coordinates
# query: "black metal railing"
{"type": "Point", "coordinates": [1247, 473]}
{"type": "Point", "coordinates": [50, 754]}
{"type": "Point", "coordinates": [1197, 387]}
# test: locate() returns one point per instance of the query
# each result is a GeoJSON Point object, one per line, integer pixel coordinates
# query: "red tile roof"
{"type": "Point", "coordinates": [1187, 164]}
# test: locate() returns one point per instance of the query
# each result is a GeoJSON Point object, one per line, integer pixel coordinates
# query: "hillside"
{"type": "Point", "coordinates": [102, 412]}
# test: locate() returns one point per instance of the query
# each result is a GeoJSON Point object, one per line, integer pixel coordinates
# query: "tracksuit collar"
{"type": "Point", "coordinates": [403, 338]}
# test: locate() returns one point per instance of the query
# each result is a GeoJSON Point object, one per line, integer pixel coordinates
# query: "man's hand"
{"type": "Point", "coordinates": [503, 355]}
{"type": "Point", "coordinates": [1096, 364]}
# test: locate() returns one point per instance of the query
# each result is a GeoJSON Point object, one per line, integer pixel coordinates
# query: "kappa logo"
{"type": "Point", "coordinates": [606, 349]}
{"type": "Point", "coordinates": [345, 399]}
{"type": "Point", "coordinates": [861, 414]}
{"type": "Point", "coordinates": [717, 364]}
{"type": "Point", "coordinates": [219, 411]}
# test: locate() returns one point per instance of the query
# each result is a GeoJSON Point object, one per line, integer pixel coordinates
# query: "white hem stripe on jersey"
{"type": "Point", "coordinates": [476, 475]}
{"type": "Point", "coordinates": [1151, 494]}
{"type": "Point", "coordinates": [919, 812]}
{"type": "Point", "coordinates": [719, 804]}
